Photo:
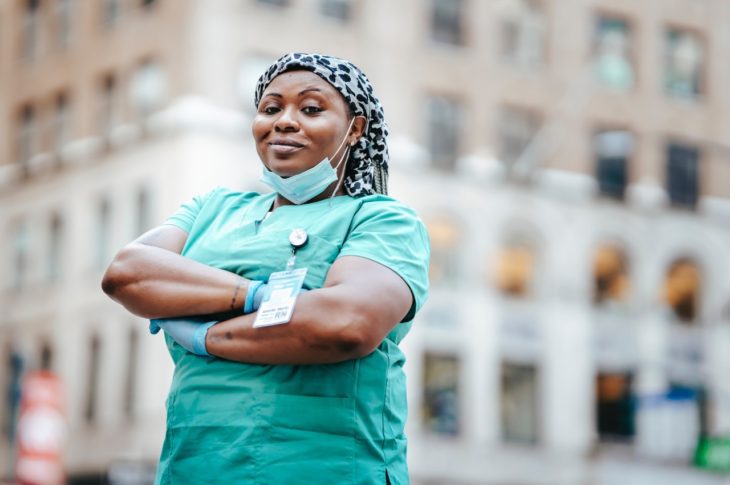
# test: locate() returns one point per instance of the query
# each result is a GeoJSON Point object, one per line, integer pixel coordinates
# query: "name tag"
{"type": "Point", "coordinates": [278, 306]}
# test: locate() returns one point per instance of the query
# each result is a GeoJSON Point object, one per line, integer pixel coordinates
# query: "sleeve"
{"type": "Point", "coordinates": [186, 214]}
{"type": "Point", "coordinates": [391, 234]}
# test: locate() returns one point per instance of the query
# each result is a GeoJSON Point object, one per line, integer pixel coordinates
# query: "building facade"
{"type": "Point", "coordinates": [570, 158]}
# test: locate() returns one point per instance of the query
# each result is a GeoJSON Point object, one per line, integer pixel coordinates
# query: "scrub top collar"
{"type": "Point", "coordinates": [263, 206]}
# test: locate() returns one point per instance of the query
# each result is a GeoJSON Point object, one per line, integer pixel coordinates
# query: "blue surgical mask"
{"type": "Point", "coordinates": [307, 185]}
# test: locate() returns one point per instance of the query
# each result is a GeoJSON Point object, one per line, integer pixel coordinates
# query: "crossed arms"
{"type": "Point", "coordinates": [360, 303]}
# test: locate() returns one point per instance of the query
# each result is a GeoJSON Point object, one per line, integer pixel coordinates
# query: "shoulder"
{"type": "Point", "coordinates": [381, 218]}
{"type": "Point", "coordinates": [225, 198]}
{"type": "Point", "coordinates": [225, 194]}
{"type": "Point", "coordinates": [384, 207]}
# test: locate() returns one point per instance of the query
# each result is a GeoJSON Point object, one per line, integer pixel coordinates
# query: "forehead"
{"type": "Point", "coordinates": [292, 83]}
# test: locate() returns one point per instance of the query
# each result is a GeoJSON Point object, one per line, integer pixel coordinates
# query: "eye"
{"type": "Point", "coordinates": [270, 110]}
{"type": "Point", "coordinates": [310, 110]}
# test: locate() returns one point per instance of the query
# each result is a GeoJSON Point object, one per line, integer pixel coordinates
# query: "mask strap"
{"type": "Point", "coordinates": [343, 142]}
{"type": "Point", "coordinates": [345, 156]}
{"type": "Point", "coordinates": [340, 180]}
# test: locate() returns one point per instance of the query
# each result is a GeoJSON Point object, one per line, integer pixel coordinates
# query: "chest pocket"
{"type": "Point", "coordinates": [317, 256]}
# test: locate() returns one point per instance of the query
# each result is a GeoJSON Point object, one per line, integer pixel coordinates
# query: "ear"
{"type": "Point", "coordinates": [357, 130]}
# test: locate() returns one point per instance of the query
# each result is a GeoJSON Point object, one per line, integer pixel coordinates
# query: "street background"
{"type": "Point", "coordinates": [571, 159]}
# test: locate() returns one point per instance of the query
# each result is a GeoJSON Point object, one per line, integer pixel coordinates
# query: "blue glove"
{"type": "Point", "coordinates": [254, 296]}
{"type": "Point", "coordinates": [258, 291]}
{"type": "Point", "coordinates": [190, 334]}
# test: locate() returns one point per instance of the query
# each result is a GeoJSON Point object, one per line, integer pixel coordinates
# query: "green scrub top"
{"type": "Point", "coordinates": [231, 422]}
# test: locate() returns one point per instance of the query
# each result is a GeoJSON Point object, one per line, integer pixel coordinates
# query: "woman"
{"type": "Point", "coordinates": [319, 396]}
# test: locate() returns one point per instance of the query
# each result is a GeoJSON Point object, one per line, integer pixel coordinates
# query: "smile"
{"type": "Point", "coordinates": [282, 149]}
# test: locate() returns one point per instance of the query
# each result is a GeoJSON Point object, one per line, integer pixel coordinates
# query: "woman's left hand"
{"type": "Point", "coordinates": [187, 332]}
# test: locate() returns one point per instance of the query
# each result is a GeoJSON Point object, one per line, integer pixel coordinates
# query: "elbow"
{"type": "Point", "coordinates": [118, 275]}
{"type": "Point", "coordinates": [354, 340]}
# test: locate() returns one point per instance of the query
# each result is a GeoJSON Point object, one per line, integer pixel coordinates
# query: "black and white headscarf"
{"type": "Point", "coordinates": [367, 164]}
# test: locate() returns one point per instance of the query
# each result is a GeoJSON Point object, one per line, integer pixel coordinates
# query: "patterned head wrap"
{"type": "Point", "coordinates": [367, 165]}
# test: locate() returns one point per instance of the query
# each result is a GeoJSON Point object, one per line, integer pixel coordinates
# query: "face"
{"type": "Point", "coordinates": [302, 119]}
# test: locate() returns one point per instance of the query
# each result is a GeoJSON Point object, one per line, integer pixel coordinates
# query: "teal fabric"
{"type": "Point", "coordinates": [231, 422]}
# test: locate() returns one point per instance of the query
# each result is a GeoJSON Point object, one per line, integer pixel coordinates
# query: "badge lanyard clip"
{"type": "Point", "coordinates": [298, 238]}
{"type": "Point", "coordinates": [285, 285]}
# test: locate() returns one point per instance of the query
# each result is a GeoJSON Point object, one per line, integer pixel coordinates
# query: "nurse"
{"type": "Point", "coordinates": [283, 311]}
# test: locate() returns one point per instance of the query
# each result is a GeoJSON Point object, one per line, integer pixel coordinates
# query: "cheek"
{"type": "Point", "coordinates": [258, 128]}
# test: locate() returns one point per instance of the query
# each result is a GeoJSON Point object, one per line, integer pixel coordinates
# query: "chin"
{"type": "Point", "coordinates": [287, 168]}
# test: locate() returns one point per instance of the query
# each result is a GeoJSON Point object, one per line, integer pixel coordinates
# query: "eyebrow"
{"type": "Point", "coordinates": [301, 93]}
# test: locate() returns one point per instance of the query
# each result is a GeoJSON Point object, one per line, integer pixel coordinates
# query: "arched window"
{"type": "Point", "coordinates": [130, 381]}
{"type": "Point", "coordinates": [55, 248]}
{"type": "Point", "coordinates": [143, 211]}
{"type": "Point", "coordinates": [441, 393]}
{"type": "Point", "coordinates": [445, 235]}
{"type": "Point", "coordinates": [46, 356]}
{"type": "Point", "coordinates": [610, 275]}
{"type": "Point", "coordinates": [515, 267]}
{"type": "Point", "coordinates": [682, 287]}
{"type": "Point", "coordinates": [92, 380]}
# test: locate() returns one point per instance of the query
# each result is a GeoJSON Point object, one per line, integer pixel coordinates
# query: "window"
{"type": "Point", "coordinates": [682, 287]}
{"type": "Point", "coordinates": [276, 3]}
{"type": "Point", "coordinates": [444, 235]}
{"type": "Point", "coordinates": [615, 407]}
{"type": "Point", "coordinates": [682, 175]}
{"type": "Point", "coordinates": [517, 128]}
{"type": "Point", "coordinates": [92, 380]}
{"type": "Point", "coordinates": [148, 87]}
{"type": "Point", "coordinates": [251, 68]}
{"type": "Point", "coordinates": [515, 268]}
{"type": "Point", "coordinates": [441, 393]}
{"type": "Point", "coordinates": [447, 17]}
{"type": "Point", "coordinates": [111, 10]}
{"type": "Point", "coordinates": [143, 211]}
{"type": "Point", "coordinates": [610, 276]}
{"type": "Point", "coordinates": [63, 19]}
{"type": "Point", "coordinates": [443, 117]}
{"type": "Point", "coordinates": [27, 138]}
{"type": "Point", "coordinates": [130, 382]}
{"type": "Point", "coordinates": [46, 360]}
{"type": "Point", "coordinates": [103, 228]}
{"type": "Point", "coordinates": [15, 368]}
{"type": "Point", "coordinates": [337, 9]}
{"type": "Point", "coordinates": [612, 151]}
{"type": "Point", "coordinates": [519, 404]}
{"type": "Point", "coordinates": [523, 33]}
{"type": "Point", "coordinates": [108, 113]}
{"type": "Point", "coordinates": [55, 242]}
{"type": "Point", "coordinates": [60, 129]}
{"type": "Point", "coordinates": [30, 40]}
{"type": "Point", "coordinates": [612, 53]}
{"type": "Point", "coordinates": [684, 72]}
{"type": "Point", "coordinates": [21, 246]}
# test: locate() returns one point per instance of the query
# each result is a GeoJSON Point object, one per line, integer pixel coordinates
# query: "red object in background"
{"type": "Point", "coordinates": [41, 430]}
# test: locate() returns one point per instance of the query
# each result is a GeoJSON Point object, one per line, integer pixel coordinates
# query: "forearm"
{"type": "Point", "coordinates": [155, 283]}
{"type": "Point", "coordinates": [321, 331]}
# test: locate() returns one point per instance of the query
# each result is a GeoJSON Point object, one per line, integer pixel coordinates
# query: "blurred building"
{"type": "Point", "coordinates": [571, 159]}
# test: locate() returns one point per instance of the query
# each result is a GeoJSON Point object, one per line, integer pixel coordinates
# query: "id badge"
{"type": "Point", "coordinates": [277, 308]}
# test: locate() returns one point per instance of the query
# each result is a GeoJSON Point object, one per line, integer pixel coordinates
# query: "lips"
{"type": "Point", "coordinates": [283, 146]}
{"type": "Point", "coordinates": [286, 142]}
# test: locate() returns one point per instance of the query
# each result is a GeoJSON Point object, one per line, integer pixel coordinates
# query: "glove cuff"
{"type": "Point", "coordinates": [154, 326]}
{"type": "Point", "coordinates": [199, 339]}
{"type": "Point", "coordinates": [253, 287]}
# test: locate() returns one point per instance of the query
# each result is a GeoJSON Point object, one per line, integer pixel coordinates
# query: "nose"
{"type": "Point", "coordinates": [286, 121]}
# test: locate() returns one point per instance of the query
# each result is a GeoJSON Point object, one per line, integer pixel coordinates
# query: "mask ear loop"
{"type": "Point", "coordinates": [344, 158]}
